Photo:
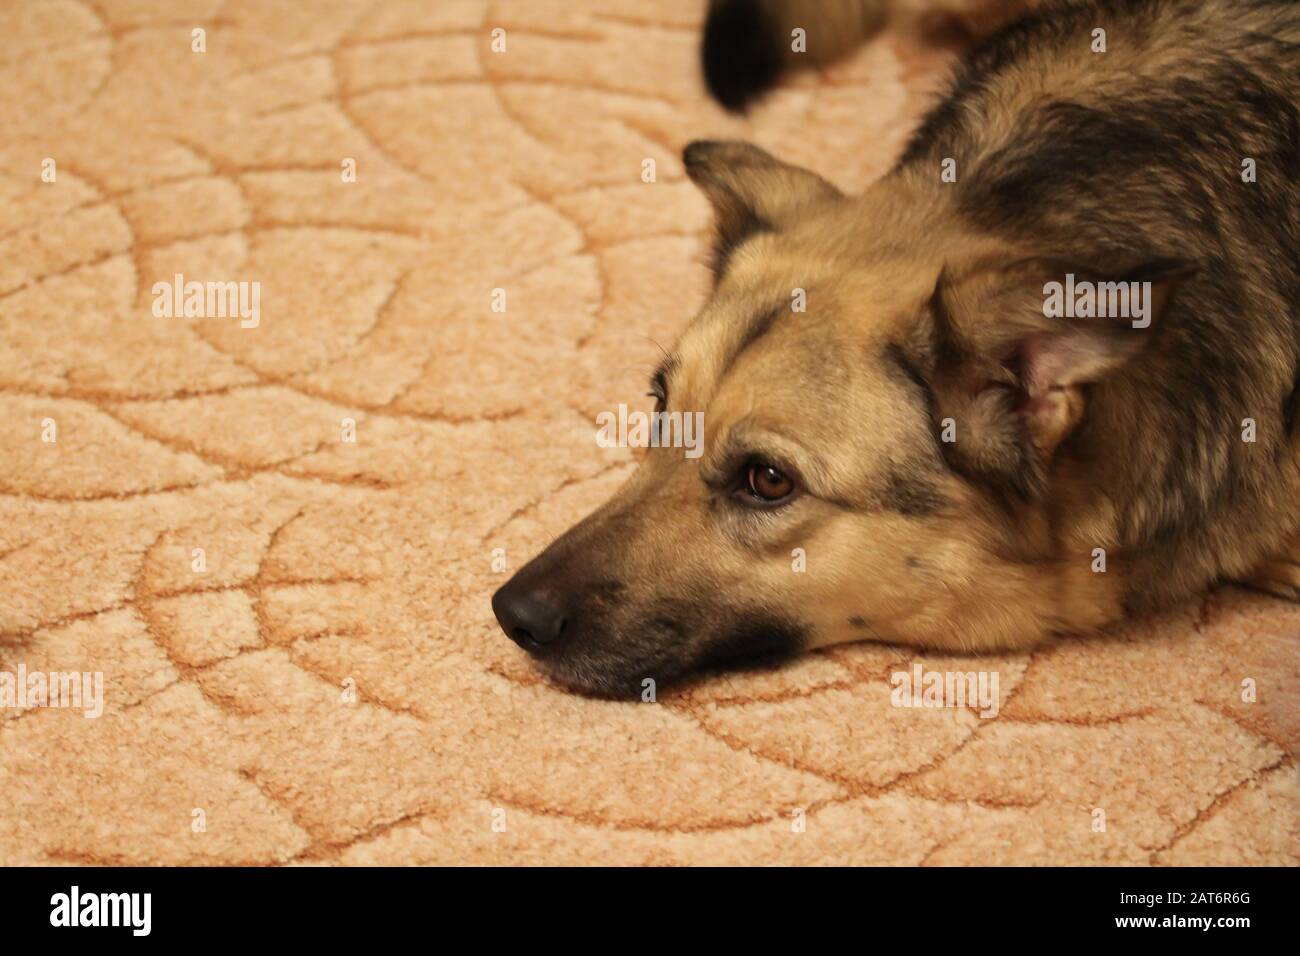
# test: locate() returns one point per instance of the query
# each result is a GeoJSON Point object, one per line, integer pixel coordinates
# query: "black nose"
{"type": "Point", "coordinates": [529, 617]}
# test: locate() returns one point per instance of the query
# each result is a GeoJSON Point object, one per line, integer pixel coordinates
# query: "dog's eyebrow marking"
{"type": "Point", "coordinates": [759, 325]}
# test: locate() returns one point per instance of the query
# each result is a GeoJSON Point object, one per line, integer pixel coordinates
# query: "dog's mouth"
{"type": "Point", "coordinates": [591, 677]}
{"type": "Point", "coordinates": [586, 647]}
{"type": "Point", "coordinates": [618, 664]}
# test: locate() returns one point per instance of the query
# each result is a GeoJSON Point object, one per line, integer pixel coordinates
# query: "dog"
{"type": "Point", "coordinates": [950, 446]}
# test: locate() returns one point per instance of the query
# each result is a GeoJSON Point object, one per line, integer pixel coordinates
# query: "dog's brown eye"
{"type": "Point", "coordinates": [767, 483]}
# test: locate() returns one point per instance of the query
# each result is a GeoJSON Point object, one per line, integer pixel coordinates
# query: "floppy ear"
{"type": "Point", "coordinates": [1009, 353]}
{"type": "Point", "coordinates": [750, 191]}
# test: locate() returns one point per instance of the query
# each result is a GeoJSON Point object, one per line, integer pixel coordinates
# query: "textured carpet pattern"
{"type": "Point", "coordinates": [329, 685]}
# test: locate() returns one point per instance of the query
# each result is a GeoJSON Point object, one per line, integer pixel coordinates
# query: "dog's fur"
{"type": "Point", "coordinates": [925, 314]}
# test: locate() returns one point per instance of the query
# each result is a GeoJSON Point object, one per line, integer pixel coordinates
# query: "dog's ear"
{"type": "Point", "coordinates": [1010, 351]}
{"type": "Point", "coordinates": [750, 191]}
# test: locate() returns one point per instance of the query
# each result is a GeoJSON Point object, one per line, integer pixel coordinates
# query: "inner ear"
{"type": "Point", "coordinates": [1010, 362]}
{"type": "Point", "coordinates": [750, 191]}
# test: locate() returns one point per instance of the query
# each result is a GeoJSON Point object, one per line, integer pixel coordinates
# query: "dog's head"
{"type": "Point", "coordinates": [882, 396]}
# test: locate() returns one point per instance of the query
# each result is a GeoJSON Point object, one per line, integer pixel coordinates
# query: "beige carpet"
{"type": "Point", "coordinates": [228, 735]}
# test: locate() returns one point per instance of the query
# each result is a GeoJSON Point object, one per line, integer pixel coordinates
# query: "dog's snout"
{"type": "Point", "coordinates": [531, 618]}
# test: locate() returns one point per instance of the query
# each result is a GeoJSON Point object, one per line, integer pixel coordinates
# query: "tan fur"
{"type": "Point", "coordinates": [983, 581]}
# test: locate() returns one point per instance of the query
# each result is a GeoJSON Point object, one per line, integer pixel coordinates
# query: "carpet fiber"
{"type": "Point", "coordinates": [299, 661]}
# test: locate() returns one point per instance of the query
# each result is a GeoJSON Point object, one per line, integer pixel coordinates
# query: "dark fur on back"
{"type": "Point", "coordinates": [1136, 154]}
